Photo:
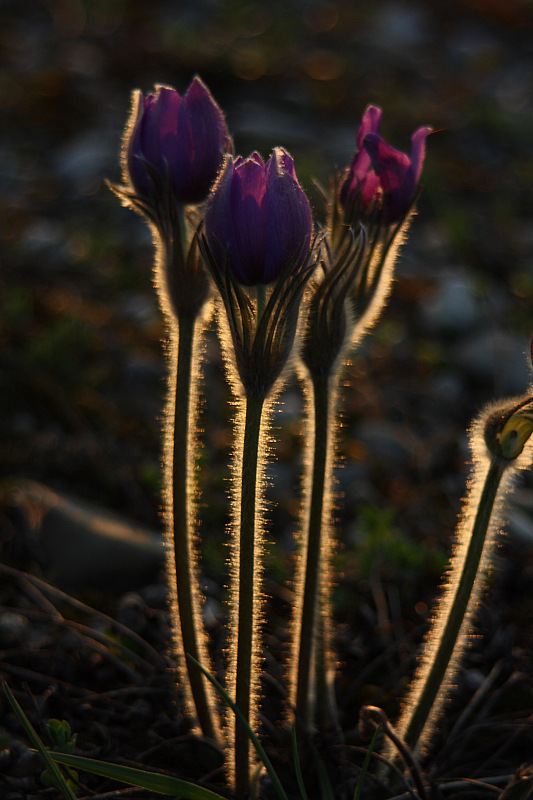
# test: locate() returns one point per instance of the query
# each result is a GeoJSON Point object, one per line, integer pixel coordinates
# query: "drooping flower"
{"type": "Point", "coordinates": [258, 217]}
{"type": "Point", "coordinates": [180, 139]}
{"type": "Point", "coordinates": [379, 175]}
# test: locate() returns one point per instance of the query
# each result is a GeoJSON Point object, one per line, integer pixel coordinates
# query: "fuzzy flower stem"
{"type": "Point", "coordinates": [182, 556]}
{"type": "Point", "coordinates": [313, 557]}
{"type": "Point", "coordinates": [416, 715]}
{"type": "Point", "coordinates": [248, 602]}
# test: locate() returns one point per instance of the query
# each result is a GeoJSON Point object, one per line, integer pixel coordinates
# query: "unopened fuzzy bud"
{"type": "Point", "coordinates": [175, 138]}
{"type": "Point", "coordinates": [508, 429]}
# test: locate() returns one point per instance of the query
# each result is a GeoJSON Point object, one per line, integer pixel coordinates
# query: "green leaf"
{"type": "Point", "coordinates": [255, 780]}
{"type": "Point", "coordinates": [61, 735]}
{"type": "Point", "coordinates": [366, 762]}
{"type": "Point", "coordinates": [242, 719]}
{"type": "Point", "coordinates": [326, 790]}
{"type": "Point", "coordinates": [59, 781]}
{"type": "Point", "coordinates": [153, 781]}
{"type": "Point", "coordinates": [299, 775]}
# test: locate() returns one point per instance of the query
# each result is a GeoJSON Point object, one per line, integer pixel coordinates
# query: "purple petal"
{"type": "Point", "coordinates": [218, 218]}
{"type": "Point", "coordinates": [282, 162]}
{"type": "Point", "coordinates": [249, 219]}
{"type": "Point", "coordinates": [160, 126]}
{"type": "Point", "coordinates": [418, 153]}
{"type": "Point", "coordinates": [398, 173]}
{"type": "Point", "coordinates": [390, 165]}
{"type": "Point", "coordinates": [197, 163]}
{"type": "Point", "coordinates": [179, 152]}
{"type": "Point", "coordinates": [289, 221]}
{"type": "Point", "coordinates": [360, 177]}
{"type": "Point", "coordinates": [392, 169]}
{"type": "Point", "coordinates": [256, 158]}
{"type": "Point", "coordinates": [369, 124]}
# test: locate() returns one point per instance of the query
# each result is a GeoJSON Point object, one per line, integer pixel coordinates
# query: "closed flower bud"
{"type": "Point", "coordinates": [258, 218]}
{"type": "Point", "coordinates": [174, 139]}
{"type": "Point", "coordinates": [508, 426]}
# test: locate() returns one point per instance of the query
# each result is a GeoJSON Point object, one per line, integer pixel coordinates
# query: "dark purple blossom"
{"type": "Point", "coordinates": [184, 138]}
{"type": "Point", "coordinates": [381, 175]}
{"type": "Point", "coordinates": [259, 216]}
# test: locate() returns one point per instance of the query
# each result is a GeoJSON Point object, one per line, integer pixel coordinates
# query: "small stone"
{"type": "Point", "coordinates": [13, 627]}
{"type": "Point", "coordinates": [453, 308]}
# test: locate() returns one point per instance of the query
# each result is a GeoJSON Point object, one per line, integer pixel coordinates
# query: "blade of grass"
{"type": "Point", "coordinates": [366, 762]}
{"type": "Point", "coordinates": [326, 790]}
{"type": "Point", "coordinates": [51, 766]}
{"type": "Point", "coordinates": [255, 741]}
{"type": "Point", "coordinates": [299, 776]}
{"type": "Point", "coordinates": [153, 781]}
{"type": "Point", "coordinates": [254, 783]}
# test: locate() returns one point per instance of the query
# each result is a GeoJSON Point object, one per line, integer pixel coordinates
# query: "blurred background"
{"type": "Point", "coordinates": [82, 366]}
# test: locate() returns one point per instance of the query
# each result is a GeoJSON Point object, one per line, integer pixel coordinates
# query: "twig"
{"type": "Point", "coordinates": [401, 747]}
{"type": "Point", "coordinates": [504, 746]}
{"type": "Point", "coordinates": [484, 784]}
{"type": "Point", "coordinates": [392, 767]}
{"type": "Point", "coordinates": [471, 706]}
{"type": "Point", "coordinates": [86, 633]}
{"type": "Point", "coordinates": [29, 674]}
{"type": "Point", "coordinates": [118, 794]}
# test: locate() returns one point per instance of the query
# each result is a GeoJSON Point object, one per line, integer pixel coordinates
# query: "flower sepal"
{"type": "Point", "coordinates": [262, 341]}
{"type": "Point", "coordinates": [180, 274]}
{"type": "Point", "coordinates": [330, 316]}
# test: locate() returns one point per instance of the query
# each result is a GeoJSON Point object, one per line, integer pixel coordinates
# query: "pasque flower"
{"type": "Point", "coordinates": [180, 139]}
{"type": "Point", "coordinates": [258, 218]}
{"type": "Point", "coordinates": [379, 174]}
{"type": "Point", "coordinates": [257, 232]}
{"type": "Point", "coordinates": [173, 148]}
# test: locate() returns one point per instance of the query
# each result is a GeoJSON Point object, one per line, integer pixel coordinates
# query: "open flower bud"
{"type": "Point", "coordinates": [379, 175]}
{"type": "Point", "coordinates": [398, 174]}
{"type": "Point", "coordinates": [174, 138]}
{"type": "Point", "coordinates": [258, 218]}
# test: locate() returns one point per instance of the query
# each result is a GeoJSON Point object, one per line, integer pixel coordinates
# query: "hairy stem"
{"type": "Point", "coordinates": [445, 634]}
{"type": "Point", "coordinates": [307, 656]}
{"type": "Point", "coordinates": [182, 555]}
{"type": "Point", "coordinates": [247, 592]}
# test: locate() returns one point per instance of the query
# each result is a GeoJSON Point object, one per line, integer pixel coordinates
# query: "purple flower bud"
{"type": "Point", "coordinates": [182, 137]}
{"type": "Point", "coordinates": [379, 174]}
{"type": "Point", "coordinates": [259, 215]}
